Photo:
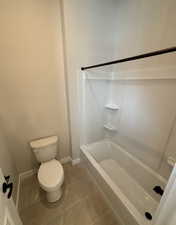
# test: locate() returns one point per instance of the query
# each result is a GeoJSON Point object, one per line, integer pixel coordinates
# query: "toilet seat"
{"type": "Point", "coordinates": [51, 175]}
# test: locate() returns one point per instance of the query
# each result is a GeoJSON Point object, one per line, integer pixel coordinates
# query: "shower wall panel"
{"type": "Point", "coordinates": [95, 97]}
{"type": "Point", "coordinates": [146, 119]}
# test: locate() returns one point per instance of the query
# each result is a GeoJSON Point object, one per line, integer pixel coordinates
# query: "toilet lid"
{"type": "Point", "coordinates": [50, 173]}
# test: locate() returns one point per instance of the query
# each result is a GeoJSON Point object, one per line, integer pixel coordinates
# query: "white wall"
{"type": "Point", "coordinates": [143, 26]}
{"type": "Point", "coordinates": [32, 83]}
{"type": "Point", "coordinates": [89, 39]}
{"type": "Point", "coordinates": [148, 108]}
{"type": "Point", "coordinates": [99, 31]}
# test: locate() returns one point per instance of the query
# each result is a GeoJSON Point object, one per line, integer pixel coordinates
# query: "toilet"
{"type": "Point", "coordinates": [50, 174]}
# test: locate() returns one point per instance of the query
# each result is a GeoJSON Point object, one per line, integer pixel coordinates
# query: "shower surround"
{"type": "Point", "coordinates": [128, 134]}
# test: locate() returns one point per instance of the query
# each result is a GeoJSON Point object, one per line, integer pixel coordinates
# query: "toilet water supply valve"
{"type": "Point", "coordinates": [6, 186]}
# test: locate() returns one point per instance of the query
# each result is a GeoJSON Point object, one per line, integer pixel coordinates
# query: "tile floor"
{"type": "Point", "coordinates": [81, 203]}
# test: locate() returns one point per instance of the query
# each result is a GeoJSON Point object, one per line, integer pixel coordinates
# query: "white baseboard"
{"type": "Point", "coordinates": [21, 177]}
{"type": "Point", "coordinates": [75, 161]}
{"type": "Point", "coordinates": [27, 174]}
{"type": "Point", "coordinates": [66, 160]}
{"type": "Point", "coordinates": [18, 192]}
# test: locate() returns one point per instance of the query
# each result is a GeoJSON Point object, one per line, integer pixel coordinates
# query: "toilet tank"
{"type": "Point", "coordinates": [45, 149]}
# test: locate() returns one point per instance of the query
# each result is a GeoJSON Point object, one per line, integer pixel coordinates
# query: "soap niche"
{"type": "Point", "coordinates": [111, 114]}
{"type": "Point", "coordinates": [112, 106]}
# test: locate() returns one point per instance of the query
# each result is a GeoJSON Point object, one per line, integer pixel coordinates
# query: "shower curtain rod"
{"type": "Point", "coordinates": [141, 56]}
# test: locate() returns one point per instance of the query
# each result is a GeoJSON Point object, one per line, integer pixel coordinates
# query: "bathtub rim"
{"type": "Point", "coordinates": [122, 149]}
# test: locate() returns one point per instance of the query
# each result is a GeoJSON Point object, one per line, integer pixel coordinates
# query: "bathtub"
{"type": "Point", "coordinates": [126, 182]}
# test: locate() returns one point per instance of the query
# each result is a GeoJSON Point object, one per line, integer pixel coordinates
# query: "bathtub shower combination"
{"type": "Point", "coordinates": [128, 137]}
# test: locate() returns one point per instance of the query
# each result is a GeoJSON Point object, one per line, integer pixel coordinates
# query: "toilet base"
{"type": "Point", "coordinates": [54, 195]}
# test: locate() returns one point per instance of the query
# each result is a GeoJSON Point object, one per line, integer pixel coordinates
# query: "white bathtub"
{"type": "Point", "coordinates": [126, 182]}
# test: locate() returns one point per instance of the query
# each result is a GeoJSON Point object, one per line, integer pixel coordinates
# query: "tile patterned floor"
{"type": "Point", "coordinates": [81, 203]}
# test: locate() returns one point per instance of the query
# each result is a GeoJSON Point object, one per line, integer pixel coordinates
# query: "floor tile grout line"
{"type": "Point", "coordinates": [90, 192]}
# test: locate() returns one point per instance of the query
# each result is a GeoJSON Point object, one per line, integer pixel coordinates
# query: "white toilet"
{"type": "Point", "coordinates": [50, 173]}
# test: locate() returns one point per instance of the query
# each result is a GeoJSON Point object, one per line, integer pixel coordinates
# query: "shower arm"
{"type": "Point", "coordinates": [132, 58]}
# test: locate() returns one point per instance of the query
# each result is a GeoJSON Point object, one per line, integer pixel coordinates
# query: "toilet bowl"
{"type": "Point", "coordinates": [51, 177]}
{"type": "Point", "coordinates": [50, 174]}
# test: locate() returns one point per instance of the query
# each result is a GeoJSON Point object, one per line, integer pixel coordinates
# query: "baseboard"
{"type": "Point", "coordinates": [75, 161]}
{"type": "Point", "coordinates": [21, 177]}
{"type": "Point", "coordinates": [66, 160]}
{"type": "Point", "coordinates": [18, 192]}
{"type": "Point", "coordinates": [27, 174]}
